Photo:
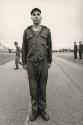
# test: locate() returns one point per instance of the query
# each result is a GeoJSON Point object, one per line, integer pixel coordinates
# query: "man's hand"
{"type": "Point", "coordinates": [49, 65]}
{"type": "Point", "coordinates": [25, 66]}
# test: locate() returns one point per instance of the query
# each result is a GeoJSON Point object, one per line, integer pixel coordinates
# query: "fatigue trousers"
{"type": "Point", "coordinates": [75, 54]}
{"type": "Point", "coordinates": [80, 55]}
{"type": "Point", "coordinates": [38, 75]}
{"type": "Point", "coordinates": [17, 59]}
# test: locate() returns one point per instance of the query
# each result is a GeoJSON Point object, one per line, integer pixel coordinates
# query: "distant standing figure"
{"type": "Point", "coordinates": [17, 59]}
{"type": "Point", "coordinates": [75, 50]}
{"type": "Point", "coordinates": [80, 50]}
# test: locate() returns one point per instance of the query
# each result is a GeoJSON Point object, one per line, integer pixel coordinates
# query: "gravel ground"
{"type": "Point", "coordinates": [69, 56]}
{"type": "Point", "coordinates": [4, 58]}
{"type": "Point", "coordinates": [64, 94]}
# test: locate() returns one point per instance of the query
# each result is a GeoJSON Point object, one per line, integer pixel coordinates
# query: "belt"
{"type": "Point", "coordinates": [38, 60]}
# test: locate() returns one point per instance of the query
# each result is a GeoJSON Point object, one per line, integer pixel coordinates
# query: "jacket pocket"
{"type": "Point", "coordinates": [44, 35]}
{"type": "Point", "coordinates": [29, 36]}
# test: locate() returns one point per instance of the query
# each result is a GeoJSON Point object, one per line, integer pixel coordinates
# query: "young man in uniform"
{"type": "Point", "coordinates": [80, 50]}
{"type": "Point", "coordinates": [75, 50]}
{"type": "Point", "coordinates": [37, 58]}
{"type": "Point", "coordinates": [17, 59]}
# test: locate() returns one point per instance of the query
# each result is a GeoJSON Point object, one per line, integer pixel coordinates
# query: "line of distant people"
{"type": "Point", "coordinates": [79, 49]}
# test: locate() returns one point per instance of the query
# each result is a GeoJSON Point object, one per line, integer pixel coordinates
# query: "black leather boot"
{"type": "Point", "coordinates": [16, 68]}
{"type": "Point", "coordinates": [33, 116]}
{"type": "Point", "coordinates": [44, 115]}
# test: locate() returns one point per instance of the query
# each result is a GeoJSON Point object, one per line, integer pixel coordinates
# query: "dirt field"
{"type": "Point", "coordinates": [70, 57]}
{"type": "Point", "coordinates": [64, 94]}
{"type": "Point", "coordinates": [4, 58]}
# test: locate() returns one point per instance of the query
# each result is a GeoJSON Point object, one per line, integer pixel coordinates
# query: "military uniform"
{"type": "Point", "coordinates": [17, 59]}
{"type": "Point", "coordinates": [80, 50]}
{"type": "Point", "coordinates": [37, 53]}
{"type": "Point", "coordinates": [75, 51]}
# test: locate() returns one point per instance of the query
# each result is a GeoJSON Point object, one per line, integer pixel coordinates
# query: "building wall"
{"type": "Point", "coordinates": [3, 49]}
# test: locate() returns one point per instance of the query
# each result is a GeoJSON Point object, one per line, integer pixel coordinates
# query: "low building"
{"type": "Point", "coordinates": [3, 49]}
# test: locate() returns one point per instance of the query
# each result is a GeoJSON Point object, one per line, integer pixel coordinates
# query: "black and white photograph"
{"type": "Point", "coordinates": [41, 62]}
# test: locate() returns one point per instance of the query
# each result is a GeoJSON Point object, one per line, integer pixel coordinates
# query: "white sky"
{"type": "Point", "coordinates": [63, 17]}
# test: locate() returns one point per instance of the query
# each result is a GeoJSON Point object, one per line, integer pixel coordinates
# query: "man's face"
{"type": "Point", "coordinates": [16, 45]}
{"type": "Point", "coordinates": [36, 17]}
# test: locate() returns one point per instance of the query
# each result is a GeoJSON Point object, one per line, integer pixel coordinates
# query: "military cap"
{"type": "Point", "coordinates": [35, 9]}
